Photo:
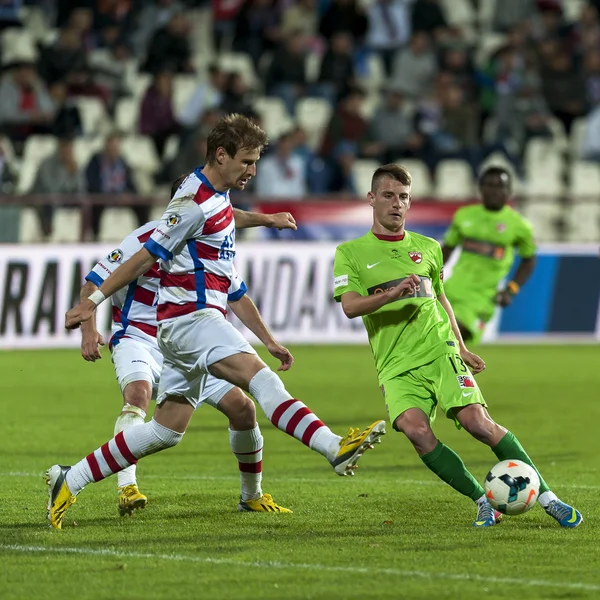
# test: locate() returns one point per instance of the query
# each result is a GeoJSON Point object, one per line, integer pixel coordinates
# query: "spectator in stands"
{"type": "Point", "coordinates": [257, 28]}
{"type": "Point", "coordinates": [337, 68]}
{"type": "Point", "coordinates": [152, 17]}
{"type": "Point", "coordinates": [509, 13]}
{"type": "Point", "coordinates": [282, 173]}
{"type": "Point", "coordinates": [428, 16]}
{"type": "Point", "coordinates": [65, 56]}
{"type": "Point", "coordinates": [586, 31]}
{"type": "Point", "coordinates": [301, 16]}
{"type": "Point", "coordinates": [389, 29]}
{"type": "Point", "coordinates": [415, 67]}
{"type": "Point", "coordinates": [392, 135]}
{"type": "Point", "coordinates": [67, 120]}
{"type": "Point", "coordinates": [236, 96]}
{"type": "Point", "coordinates": [456, 61]}
{"type": "Point", "coordinates": [591, 71]}
{"type": "Point", "coordinates": [224, 13]}
{"type": "Point", "coordinates": [109, 173]}
{"type": "Point", "coordinates": [286, 77]}
{"type": "Point", "coordinates": [564, 89]}
{"type": "Point", "coordinates": [58, 174]}
{"type": "Point", "coordinates": [206, 97]}
{"type": "Point", "coordinates": [170, 47]}
{"type": "Point", "coordinates": [346, 16]}
{"type": "Point", "coordinates": [341, 145]}
{"type": "Point", "coordinates": [157, 119]}
{"type": "Point", "coordinates": [25, 106]}
{"type": "Point", "coordinates": [81, 20]}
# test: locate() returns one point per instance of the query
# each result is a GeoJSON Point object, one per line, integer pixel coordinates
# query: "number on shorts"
{"type": "Point", "coordinates": [462, 367]}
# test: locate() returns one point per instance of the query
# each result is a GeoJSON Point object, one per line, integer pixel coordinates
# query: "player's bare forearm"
{"type": "Point", "coordinates": [525, 270]}
{"type": "Point", "coordinates": [245, 310]}
{"type": "Point", "coordinates": [88, 288]}
{"type": "Point", "coordinates": [447, 252]}
{"type": "Point", "coordinates": [448, 308]}
{"type": "Point", "coordinates": [245, 219]}
{"type": "Point", "coordinates": [129, 271]}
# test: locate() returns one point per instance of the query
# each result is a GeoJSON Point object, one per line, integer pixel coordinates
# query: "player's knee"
{"type": "Point", "coordinates": [139, 394]}
{"type": "Point", "coordinates": [417, 431]}
{"type": "Point", "coordinates": [481, 428]}
{"type": "Point", "coordinates": [245, 418]}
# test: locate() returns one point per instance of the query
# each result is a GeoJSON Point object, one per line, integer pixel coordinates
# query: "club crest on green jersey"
{"type": "Point", "coordinates": [416, 257]}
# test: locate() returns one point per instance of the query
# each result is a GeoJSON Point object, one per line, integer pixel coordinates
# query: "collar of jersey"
{"type": "Point", "coordinates": [202, 177]}
{"type": "Point", "coordinates": [389, 238]}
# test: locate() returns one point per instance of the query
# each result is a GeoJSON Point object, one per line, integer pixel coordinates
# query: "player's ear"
{"type": "Point", "coordinates": [220, 155]}
{"type": "Point", "coordinates": [371, 198]}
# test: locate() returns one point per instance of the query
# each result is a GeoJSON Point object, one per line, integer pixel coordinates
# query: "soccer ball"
{"type": "Point", "coordinates": [512, 487]}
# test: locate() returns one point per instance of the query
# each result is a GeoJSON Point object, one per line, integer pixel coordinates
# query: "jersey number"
{"type": "Point", "coordinates": [225, 251]}
{"type": "Point", "coordinates": [461, 367]}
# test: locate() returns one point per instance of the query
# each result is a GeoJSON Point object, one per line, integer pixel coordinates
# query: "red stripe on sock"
{"type": "Point", "coordinates": [296, 418]}
{"type": "Point", "coordinates": [251, 467]}
{"type": "Point", "coordinates": [310, 431]}
{"type": "Point", "coordinates": [247, 453]}
{"type": "Point", "coordinates": [123, 449]}
{"type": "Point", "coordinates": [280, 410]}
{"type": "Point", "coordinates": [113, 465]}
{"type": "Point", "coordinates": [94, 468]}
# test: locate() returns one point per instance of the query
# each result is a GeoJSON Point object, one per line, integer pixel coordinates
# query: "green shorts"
{"type": "Point", "coordinates": [472, 317]}
{"type": "Point", "coordinates": [445, 382]}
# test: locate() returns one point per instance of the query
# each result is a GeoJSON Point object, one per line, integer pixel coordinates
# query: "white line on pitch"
{"type": "Point", "coordinates": [305, 566]}
{"type": "Point", "coordinates": [285, 478]}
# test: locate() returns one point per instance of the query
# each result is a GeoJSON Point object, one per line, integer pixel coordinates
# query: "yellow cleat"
{"type": "Point", "coordinates": [60, 497]}
{"type": "Point", "coordinates": [354, 445]}
{"type": "Point", "coordinates": [263, 504]}
{"type": "Point", "coordinates": [130, 499]}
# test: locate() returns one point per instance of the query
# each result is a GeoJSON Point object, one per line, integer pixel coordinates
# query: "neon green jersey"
{"type": "Point", "coordinates": [413, 330]}
{"type": "Point", "coordinates": [488, 239]}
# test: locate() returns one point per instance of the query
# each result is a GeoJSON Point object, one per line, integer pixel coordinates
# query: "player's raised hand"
{"type": "Point", "coordinates": [284, 220]}
{"type": "Point", "coordinates": [407, 287]}
{"type": "Point", "coordinates": [474, 362]}
{"type": "Point", "coordinates": [281, 354]}
{"type": "Point", "coordinates": [90, 345]}
{"type": "Point", "coordinates": [504, 298]}
{"type": "Point", "coordinates": [79, 314]}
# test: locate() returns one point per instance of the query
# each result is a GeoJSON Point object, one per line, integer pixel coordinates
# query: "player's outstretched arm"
{"type": "Point", "coordinates": [474, 361]}
{"type": "Point", "coordinates": [90, 338]}
{"type": "Point", "coordinates": [245, 219]}
{"type": "Point", "coordinates": [129, 271]}
{"type": "Point", "coordinates": [522, 275]}
{"type": "Point", "coordinates": [355, 305]}
{"type": "Point", "coordinates": [245, 310]}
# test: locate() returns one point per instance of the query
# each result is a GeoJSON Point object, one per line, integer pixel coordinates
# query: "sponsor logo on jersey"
{"type": "Point", "coordinates": [416, 257]}
{"type": "Point", "coordinates": [465, 381]}
{"type": "Point", "coordinates": [172, 220]}
{"type": "Point", "coordinates": [425, 289]}
{"type": "Point", "coordinates": [115, 256]}
{"type": "Point", "coordinates": [395, 253]}
{"type": "Point", "coordinates": [340, 281]}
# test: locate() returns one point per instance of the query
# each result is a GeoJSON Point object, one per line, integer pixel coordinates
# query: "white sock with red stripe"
{"type": "Point", "coordinates": [129, 417]}
{"type": "Point", "coordinates": [291, 415]}
{"type": "Point", "coordinates": [247, 447]}
{"type": "Point", "coordinates": [119, 453]}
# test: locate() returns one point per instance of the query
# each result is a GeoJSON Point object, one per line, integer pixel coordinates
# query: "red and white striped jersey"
{"type": "Point", "coordinates": [195, 242]}
{"type": "Point", "coordinates": [134, 307]}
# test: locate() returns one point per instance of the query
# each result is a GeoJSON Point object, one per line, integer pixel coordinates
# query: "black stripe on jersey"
{"type": "Point", "coordinates": [495, 251]}
{"type": "Point", "coordinates": [426, 290]}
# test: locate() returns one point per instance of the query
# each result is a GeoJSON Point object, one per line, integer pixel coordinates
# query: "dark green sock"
{"type": "Point", "coordinates": [449, 467]}
{"type": "Point", "coordinates": [509, 448]}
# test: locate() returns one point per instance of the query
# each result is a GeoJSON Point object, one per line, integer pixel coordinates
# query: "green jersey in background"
{"type": "Point", "coordinates": [488, 240]}
{"type": "Point", "coordinates": [413, 330]}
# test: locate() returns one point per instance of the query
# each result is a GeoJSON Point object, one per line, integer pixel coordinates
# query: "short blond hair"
{"type": "Point", "coordinates": [233, 133]}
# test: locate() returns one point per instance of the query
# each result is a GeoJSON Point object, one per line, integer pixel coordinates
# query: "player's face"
{"type": "Point", "coordinates": [390, 202]}
{"type": "Point", "coordinates": [495, 190]}
{"type": "Point", "coordinates": [238, 171]}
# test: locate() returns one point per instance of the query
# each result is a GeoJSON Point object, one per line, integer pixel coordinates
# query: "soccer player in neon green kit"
{"type": "Point", "coordinates": [487, 234]}
{"type": "Point", "coordinates": [392, 278]}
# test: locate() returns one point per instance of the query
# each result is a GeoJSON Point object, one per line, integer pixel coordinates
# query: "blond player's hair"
{"type": "Point", "coordinates": [233, 133]}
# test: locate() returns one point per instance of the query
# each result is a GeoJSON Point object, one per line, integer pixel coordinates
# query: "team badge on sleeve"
{"type": "Point", "coordinates": [416, 257]}
{"type": "Point", "coordinates": [116, 256]}
{"type": "Point", "coordinates": [465, 381]}
{"type": "Point", "coordinates": [340, 281]}
{"type": "Point", "coordinates": [172, 220]}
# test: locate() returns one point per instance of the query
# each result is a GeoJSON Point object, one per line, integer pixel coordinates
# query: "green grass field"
{"type": "Point", "coordinates": [393, 531]}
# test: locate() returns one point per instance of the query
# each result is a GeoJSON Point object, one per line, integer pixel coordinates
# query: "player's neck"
{"type": "Point", "coordinates": [214, 178]}
{"type": "Point", "coordinates": [388, 235]}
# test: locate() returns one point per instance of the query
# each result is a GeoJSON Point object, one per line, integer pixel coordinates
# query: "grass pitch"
{"type": "Point", "coordinates": [393, 531]}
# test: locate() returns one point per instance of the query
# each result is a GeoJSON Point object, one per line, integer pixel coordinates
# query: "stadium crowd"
{"type": "Point", "coordinates": [333, 82]}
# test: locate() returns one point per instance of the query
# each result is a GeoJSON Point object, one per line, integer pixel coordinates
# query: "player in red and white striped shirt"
{"type": "Point", "coordinates": [196, 245]}
{"type": "Point", "coordinates": [138, 361]}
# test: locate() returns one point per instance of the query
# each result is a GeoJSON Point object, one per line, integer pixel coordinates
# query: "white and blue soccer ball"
{"type": "Point", "coordinates": [512, 487]}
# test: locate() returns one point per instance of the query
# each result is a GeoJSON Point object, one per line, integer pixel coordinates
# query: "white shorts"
{"type": "Point", "coordinates": [190, 344]}
{"type": "Point", "coordinates": [137, 360]}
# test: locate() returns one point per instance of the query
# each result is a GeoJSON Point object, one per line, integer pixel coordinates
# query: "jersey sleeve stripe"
{"type": "Point", "coordinates": [219, 221]}
{"type": "Point", "coordinates": [157, 250]}
{"type": "Point", "coordinates": [94, 278]}
{"type": "Point", "coordinates": [145, 236]}
{"type": "Point", "coordinates": [235, 296]}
